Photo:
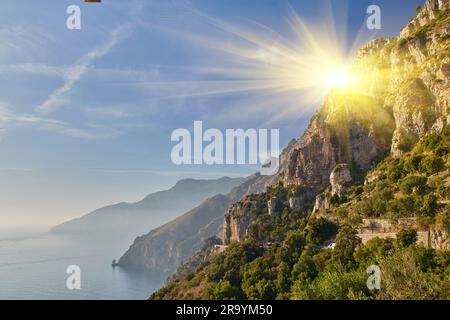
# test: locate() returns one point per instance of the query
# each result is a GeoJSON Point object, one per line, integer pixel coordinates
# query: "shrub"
{"type": "Point", "coordinates": [404, 206]}
{"type": "Point", "coordinates": [258, 279]}
{"type": "Point", "coordinates": [413, 184]}
{"type": "Point", "coordinates": [373, 250]}
{"type": "Point", "coordinates": [407, 237]}
{"type": "Point", "coordinates": [224, 291]}
{"type": "Point", "coordinates": [375, 205]}
{"type": "Point", "coordinates": [396, 171]}
{"type": "Point", "coordinates": [356, 190]}
{"type": "Point", "coordinates": [443, 191]}
{"type": "Point", "coordinates": [335, 282]}
{"type": "Point", "coordinates": [444, 219]}
{"type": "Point", "coordinates": [430, 142]}
{"type": "Point", "coordinates": [430, 206]}
{"type": "Point", "coordinates": [431, 164]}
{"type": "Point", "coordinates": [402, 279]}
{"type": "Point", "coordinates": [412, 163]}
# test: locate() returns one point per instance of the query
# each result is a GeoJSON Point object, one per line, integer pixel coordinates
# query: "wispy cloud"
{"type": "Point", "coordinates": [121, 74]}
{"type": "Point", "coordinates": [35, 69]}
{"type": "Point", "coordinates": [24, 40]}
{"type": "Point", "coordinates": [75, 73]}
{"type": "Point", "coordinates": [10, 119]}
{"type": "Point", "coordinates": [112, 112]}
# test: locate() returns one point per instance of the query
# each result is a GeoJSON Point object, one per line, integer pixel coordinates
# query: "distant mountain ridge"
{"type": "Point", "coordinates": [165, 248]}
{"type": "Point", "coordinates": [130, 219]}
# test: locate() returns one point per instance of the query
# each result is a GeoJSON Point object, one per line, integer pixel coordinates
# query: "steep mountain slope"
{"type": "Point", "coordinates": [168, 246]}
{"type": "Point", "coordinates": [129, 219]}
{"type": "Point", "coordinates": [165, 248]}
{"type": "Point", "coordinates": [398, 110]}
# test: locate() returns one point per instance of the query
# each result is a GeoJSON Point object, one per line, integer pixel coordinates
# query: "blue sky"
{"type": "Point", "coordinates": [86, 115]}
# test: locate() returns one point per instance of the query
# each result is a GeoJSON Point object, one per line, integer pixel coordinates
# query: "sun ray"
{"type": "Point", "coordinates": [257, 58]}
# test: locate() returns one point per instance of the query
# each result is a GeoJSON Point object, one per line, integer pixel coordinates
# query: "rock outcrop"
{"type": "Point", "coordinates": [322, 203]}
{"type": "Point", "coordinates": [431, 10]}
{"type": "Point", "coordinates": [439, 239]}
{"type": "Point", "coordinates": [237, 220]}
{"type": "Point", "coordinates": [340, 179]}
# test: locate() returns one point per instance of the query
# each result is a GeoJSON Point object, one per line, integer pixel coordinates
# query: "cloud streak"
{"type": "Point", "coordinates": [75, 73]}
{"type": "Point", "coordinates": [9, 119]}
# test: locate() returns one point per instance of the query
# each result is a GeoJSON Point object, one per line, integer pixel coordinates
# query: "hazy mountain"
{"type": "Point", "coordinates": [131, 219]}
{"type": "Point", "coordinates": [165, 248]}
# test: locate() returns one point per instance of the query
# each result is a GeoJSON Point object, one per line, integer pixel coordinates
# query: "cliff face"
{"type": "Point", "coordinates": [237, 221]}
{"type": "Point", "coordinates": [431, 10]}
{"type": "Point", "coordinates": [402, 93]}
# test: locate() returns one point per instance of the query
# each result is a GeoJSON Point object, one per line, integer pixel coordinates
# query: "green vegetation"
{"type": "Point", "coordinates": [303, 272]}
{"type": "Point", "coordinates": [416, 185]}
{"type": "Point", "coordinates": [286, 254]}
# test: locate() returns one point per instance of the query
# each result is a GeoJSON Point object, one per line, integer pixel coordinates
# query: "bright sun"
{"type": "Point", "coordinates": [339, 78]}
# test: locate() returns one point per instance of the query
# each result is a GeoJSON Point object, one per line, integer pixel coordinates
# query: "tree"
{"type": "Point", "coordinates": [305, 268]}
{"type": "Point", "coordinates": [294, 242]}
{"type": "Point", "coordinates": [225, 291]}
{"type": "Point", "coordinates": [347, 241]}
{"type": "Point", "coordinates": [258, 279]}
{"type": "Point", "coordinates": [336, 282]}
{"type": "Point", "coordinates": [319, 230]}
{"type": "Point", "coordinates": [402, 279]}
{"type": "Point", "coordinates": [417, 8]}
{"type": "Point", "coordinates": [407, 237]}
{"type": "Point", "coordinates": [373, 250]}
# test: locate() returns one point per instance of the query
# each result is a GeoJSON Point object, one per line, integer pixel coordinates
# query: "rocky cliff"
{"type": "Point", "coordinates": [402, 92]}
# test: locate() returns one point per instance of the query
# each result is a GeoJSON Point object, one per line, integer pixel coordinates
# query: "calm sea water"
{"type": "Point", "coordinates": [33, 266]}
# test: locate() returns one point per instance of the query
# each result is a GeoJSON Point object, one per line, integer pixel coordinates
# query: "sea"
{"type": "Point", "coordinates": [34, 265]}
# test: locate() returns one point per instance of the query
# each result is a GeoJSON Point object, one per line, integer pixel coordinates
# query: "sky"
{"type": "Point", "coordinates": [86, 115]}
